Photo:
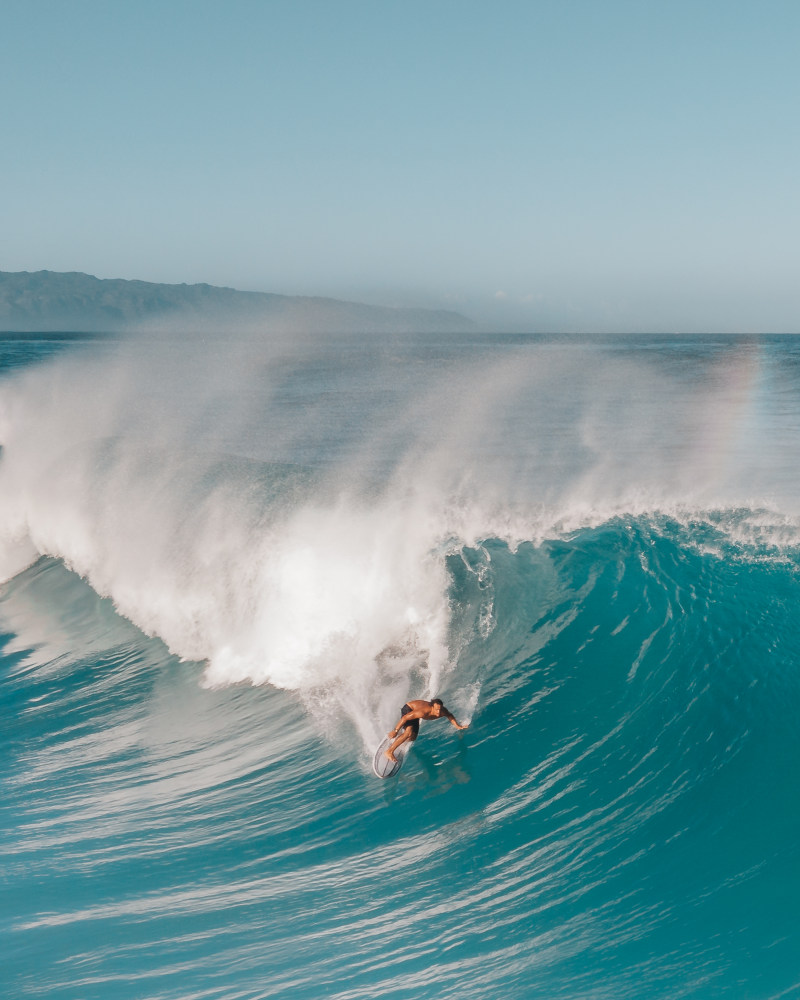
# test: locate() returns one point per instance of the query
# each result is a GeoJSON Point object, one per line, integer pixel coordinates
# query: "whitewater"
{"type": "Point", "coordinates": [228, 560]}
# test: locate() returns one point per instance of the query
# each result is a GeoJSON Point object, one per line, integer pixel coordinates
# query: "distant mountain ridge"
{"type": "Point", "coordinates": [54, 301]}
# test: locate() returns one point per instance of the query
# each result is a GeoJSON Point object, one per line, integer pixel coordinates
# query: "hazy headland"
{"type": "Point", "coordinates": [53, 302]}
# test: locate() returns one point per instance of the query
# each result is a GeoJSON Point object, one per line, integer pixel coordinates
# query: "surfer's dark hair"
{"type": "Point", "coordinates": [437, 701]}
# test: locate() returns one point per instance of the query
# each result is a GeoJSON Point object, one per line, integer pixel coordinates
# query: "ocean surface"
{"type": "Point", "coordinates": [228, 561]}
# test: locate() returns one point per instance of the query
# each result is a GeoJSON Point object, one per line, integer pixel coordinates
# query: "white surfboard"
{"type": "Point", "coordinates": [382, 766]}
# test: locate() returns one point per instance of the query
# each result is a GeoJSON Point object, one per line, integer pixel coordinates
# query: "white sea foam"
{"type": "Point", "coordinates": [111, 466]}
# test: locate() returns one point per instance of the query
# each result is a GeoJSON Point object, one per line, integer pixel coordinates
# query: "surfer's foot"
{"type": "Point", "coordinates": [391, 756]}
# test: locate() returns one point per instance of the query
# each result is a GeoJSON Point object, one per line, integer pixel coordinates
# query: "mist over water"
{"type": "Point", "coordinates": [182, 455]}
{"type": "Point", "coordinates": [587, 547]}
{"type": "Point", "coordinates": [282, 509]}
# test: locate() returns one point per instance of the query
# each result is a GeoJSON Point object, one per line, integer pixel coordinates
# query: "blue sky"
{"type": "Point", "coordinates": [565, 165]}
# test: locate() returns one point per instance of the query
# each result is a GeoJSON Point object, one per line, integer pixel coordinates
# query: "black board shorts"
{"type": "Point", "coordinates": [413, 724]}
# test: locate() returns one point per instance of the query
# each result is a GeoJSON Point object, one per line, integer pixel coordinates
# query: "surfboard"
{"type": "Point", "coordinates": [382, 766]}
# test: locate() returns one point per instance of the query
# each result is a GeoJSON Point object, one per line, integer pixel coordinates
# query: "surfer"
{"type": "Point", "coordinates": [408, 726]}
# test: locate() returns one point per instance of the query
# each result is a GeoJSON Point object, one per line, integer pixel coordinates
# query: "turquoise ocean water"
{"type": "Point", "coordinates": [229, 561]}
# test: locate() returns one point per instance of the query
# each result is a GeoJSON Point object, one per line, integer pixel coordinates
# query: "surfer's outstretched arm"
{"type": "Point", "coordinates": [453, 720]}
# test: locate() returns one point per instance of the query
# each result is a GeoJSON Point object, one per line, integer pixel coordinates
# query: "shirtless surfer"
{"type": "Point", "coordinates": [408, 726]}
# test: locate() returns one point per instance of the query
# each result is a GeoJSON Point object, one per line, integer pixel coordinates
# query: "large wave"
{"type": "Point", "coordinates": [284, 510]}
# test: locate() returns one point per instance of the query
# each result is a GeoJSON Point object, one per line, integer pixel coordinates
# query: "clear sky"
{"type": "Point", "coordinates": [549, 164]}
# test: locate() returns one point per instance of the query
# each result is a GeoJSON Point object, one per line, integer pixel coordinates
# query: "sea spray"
{"type": "Point", "coordinates": [231, 498]}
{"type": "Point", "coordinates": [269, 572]}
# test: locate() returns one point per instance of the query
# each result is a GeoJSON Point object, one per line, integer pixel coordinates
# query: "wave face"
{"type": "Point", "coordinates": [229, 563]}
